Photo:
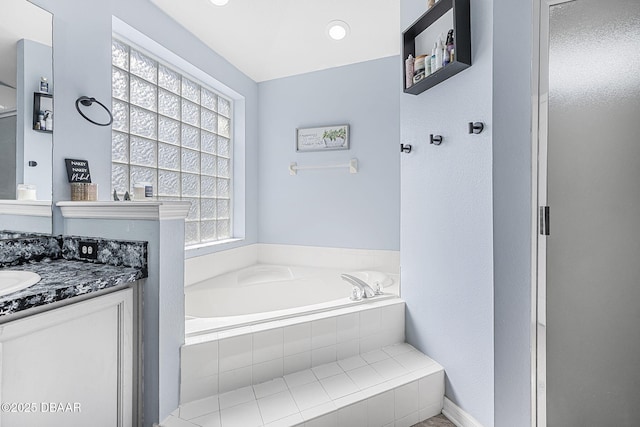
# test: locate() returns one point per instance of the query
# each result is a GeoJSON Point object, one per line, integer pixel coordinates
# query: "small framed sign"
{"type": "Point", "coordinates": [78, 170]}
{"type": "Point", "coordinates": [322, 138]}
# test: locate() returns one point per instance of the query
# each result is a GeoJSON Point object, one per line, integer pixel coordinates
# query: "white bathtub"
{"type": "Point", "coordinates": [269, 292]}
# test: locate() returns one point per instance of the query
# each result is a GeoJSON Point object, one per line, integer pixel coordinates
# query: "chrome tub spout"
{"type": "Point", "coordinates": [364, 290]}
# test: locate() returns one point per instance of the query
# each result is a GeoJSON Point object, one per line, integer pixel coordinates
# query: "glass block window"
{"type": "Point", "coordinates": [174, 132]}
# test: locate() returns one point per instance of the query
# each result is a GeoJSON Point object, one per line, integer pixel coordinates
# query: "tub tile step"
{"type": "Point", "coordinates": [395, 384]}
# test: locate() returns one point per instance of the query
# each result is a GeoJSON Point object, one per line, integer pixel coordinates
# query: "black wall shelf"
{"type": "Point", "coordinates": [462, 42]}
{"type": "Point", "coordinates": [41, 102]}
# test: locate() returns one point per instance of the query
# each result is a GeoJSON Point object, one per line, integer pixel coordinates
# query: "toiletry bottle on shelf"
{"type": "Point", "coordinates": [433, 58]}
{"type": "Point", "coordinates": [41, 120]}
{"type": "Point", "coordinates": [448, 54]}
{"type": "Point", "coordinates": [418, 72]}
{"type": "Point", "coordinates": [439, 53]}
{"type": "Point", "coordinates": [408, 68]}
{"type": "Point", "coordinates": [48, 120]}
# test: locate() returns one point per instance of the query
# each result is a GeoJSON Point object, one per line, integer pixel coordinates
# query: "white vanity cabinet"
{"type": "Point", "coordinates": [70, 366]}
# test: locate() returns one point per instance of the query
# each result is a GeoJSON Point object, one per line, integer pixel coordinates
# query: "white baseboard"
{"type": "Point", "coordinates": [457, 416]}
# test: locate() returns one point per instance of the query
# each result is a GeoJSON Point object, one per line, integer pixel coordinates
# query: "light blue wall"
{"type": "Point", "coordinates": [34, 224]}
{"type": "Point", "coordinates": [332, 207]}
{"type": "Point", "coordinates": [449, 194]}
{"type": "Point", "coordinates": [512, 29]}
{"type": "Point", "coordinates": [82, 66]}
{"type": "Point", "coordinates": [447, 221]}
{"type": "Point", "coordinates": [33, 62]}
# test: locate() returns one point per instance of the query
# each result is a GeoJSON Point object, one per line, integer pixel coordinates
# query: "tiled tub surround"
{"type": "Point", "coordinates": [63, 276]}
{"type": "Point", "coordinates": [262, 293]}
{"type": "Point", "coordinates": [227, 360]}
{"type": "Point", "coordinates": [340, 365]}
{"type": "Point", "coordinates": [199, 268]}
{"type": "Point", "coordinates": [393, 386]}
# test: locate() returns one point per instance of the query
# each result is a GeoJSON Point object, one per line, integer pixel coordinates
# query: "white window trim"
{"type": "Point", "coordinates": [123, 31]}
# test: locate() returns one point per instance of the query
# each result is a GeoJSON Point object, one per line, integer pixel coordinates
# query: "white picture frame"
{"type": "Point", "coordinates": [324, 138]}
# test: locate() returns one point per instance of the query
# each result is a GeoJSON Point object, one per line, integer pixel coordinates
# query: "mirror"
{"type": "Point", "coordinates": [26, 101]}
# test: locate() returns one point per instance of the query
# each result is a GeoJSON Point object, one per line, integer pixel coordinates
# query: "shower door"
{"type": "Point", "coordinates": [588, 319]}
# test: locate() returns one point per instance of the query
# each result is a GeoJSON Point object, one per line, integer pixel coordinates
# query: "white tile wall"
{"type": "Point", "coordinates": [365, 376]}
{"type": "Point", "coordinates": [231, 380]}
{"type": "Point", "coordinates": [339, 386]}
{"type": "Point", "coordinates": [297, 362]}
{"type": "Point", "coordinates": [324, 411]}
{"type": "Point", "coordinates": [351, 363]}
{"type": "Point", "coordinates": [277, 406]}
{"type": "Point", "coordinates": [327, 370]}
{"type": "Point", "coordinates": [199, 408]}
{"type": "Point", "coordinates": [236, 397]}
{"type": "Point", "coordinates": [329, 420]}
{"type": "Point", "coordinates": [200, 360]}
{"type": "Point", "coordinates": [347, 393]}
{"type": "Point", "coordinates": [268, 345]}
{"type": "Point", "coordinates": [297, 338]}
{"type": "Point", "coordinates": [309, 395]}
{"type": "Point", "coordinates": [300, 378]}
{"type": "Point", "coordinates": [347, 349]}
{"type": "Point", "coordinates": [370, 322]}
{"type": "Point", "coordinates": [245, 415]}
{"type": "Point", "coordinates": [267, 371]}
{"type": "Point", "coordinates": [389, 368]}
{"type": "Point", "coordinates": [197, 388]}
{"type": "Point", "coordinates": [408, 421]}
{"type": "Point", "coordinates": [270, 387]}
{"type": "Point", "coordinates": [348, 327]}
{"type": "Point", "coordinates": [208, 420]}
{"type": "Point", "coordinates": [406, 400]}
{"type": "Point", "coordinates": [353, 415]}
{"type": "Point", "coordinates": [381, 409]}
{"type": "Point", "coordinates": [347, 259]}
{"type": "Point", "coordinates": [320, 356]}
{"type": "Point", "coordinates": [200, 268]}
{"type": "Point", "coordinates": [235, 352]}
{"type": "Point", "coordinates": [323, 333]}
{"type": "Point", "coordinates": [255, 354]}
{"type": "Point", "coordinates": [372, 342]}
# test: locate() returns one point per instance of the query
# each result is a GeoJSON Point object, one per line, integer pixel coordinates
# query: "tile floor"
{"type": "Point", "coordinates": [437, 421]}
{"type": "Point", "coordinates": [301, 396]}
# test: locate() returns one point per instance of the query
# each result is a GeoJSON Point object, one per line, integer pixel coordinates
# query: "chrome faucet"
{"type": "Point", "coordinates": [364, 290]}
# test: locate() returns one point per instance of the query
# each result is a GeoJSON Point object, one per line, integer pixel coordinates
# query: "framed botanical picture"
{"type": "Point", "coordinates": [322, 138]}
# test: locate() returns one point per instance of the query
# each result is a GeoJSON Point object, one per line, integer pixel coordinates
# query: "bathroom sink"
{"type": "Point", "coordinates": [13, 281]}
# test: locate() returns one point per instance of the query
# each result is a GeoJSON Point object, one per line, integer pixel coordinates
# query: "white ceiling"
{"type": "Point", "coordinates": [19, 19]}
{"type": "Point", "coordinates": [269, 39]}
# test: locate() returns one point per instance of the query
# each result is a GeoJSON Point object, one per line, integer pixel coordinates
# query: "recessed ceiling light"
{"type": "Point", "coordinates": [337, 30]}
{"type": "Point", "coordinates": [219, 2]}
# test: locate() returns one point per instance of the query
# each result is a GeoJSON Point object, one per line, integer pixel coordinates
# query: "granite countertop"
{"type": "Point", "coordinates": [63, 279]}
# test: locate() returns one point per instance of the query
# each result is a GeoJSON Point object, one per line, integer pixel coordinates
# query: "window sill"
{"type": "Point", "coordinates": [211, 247]}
